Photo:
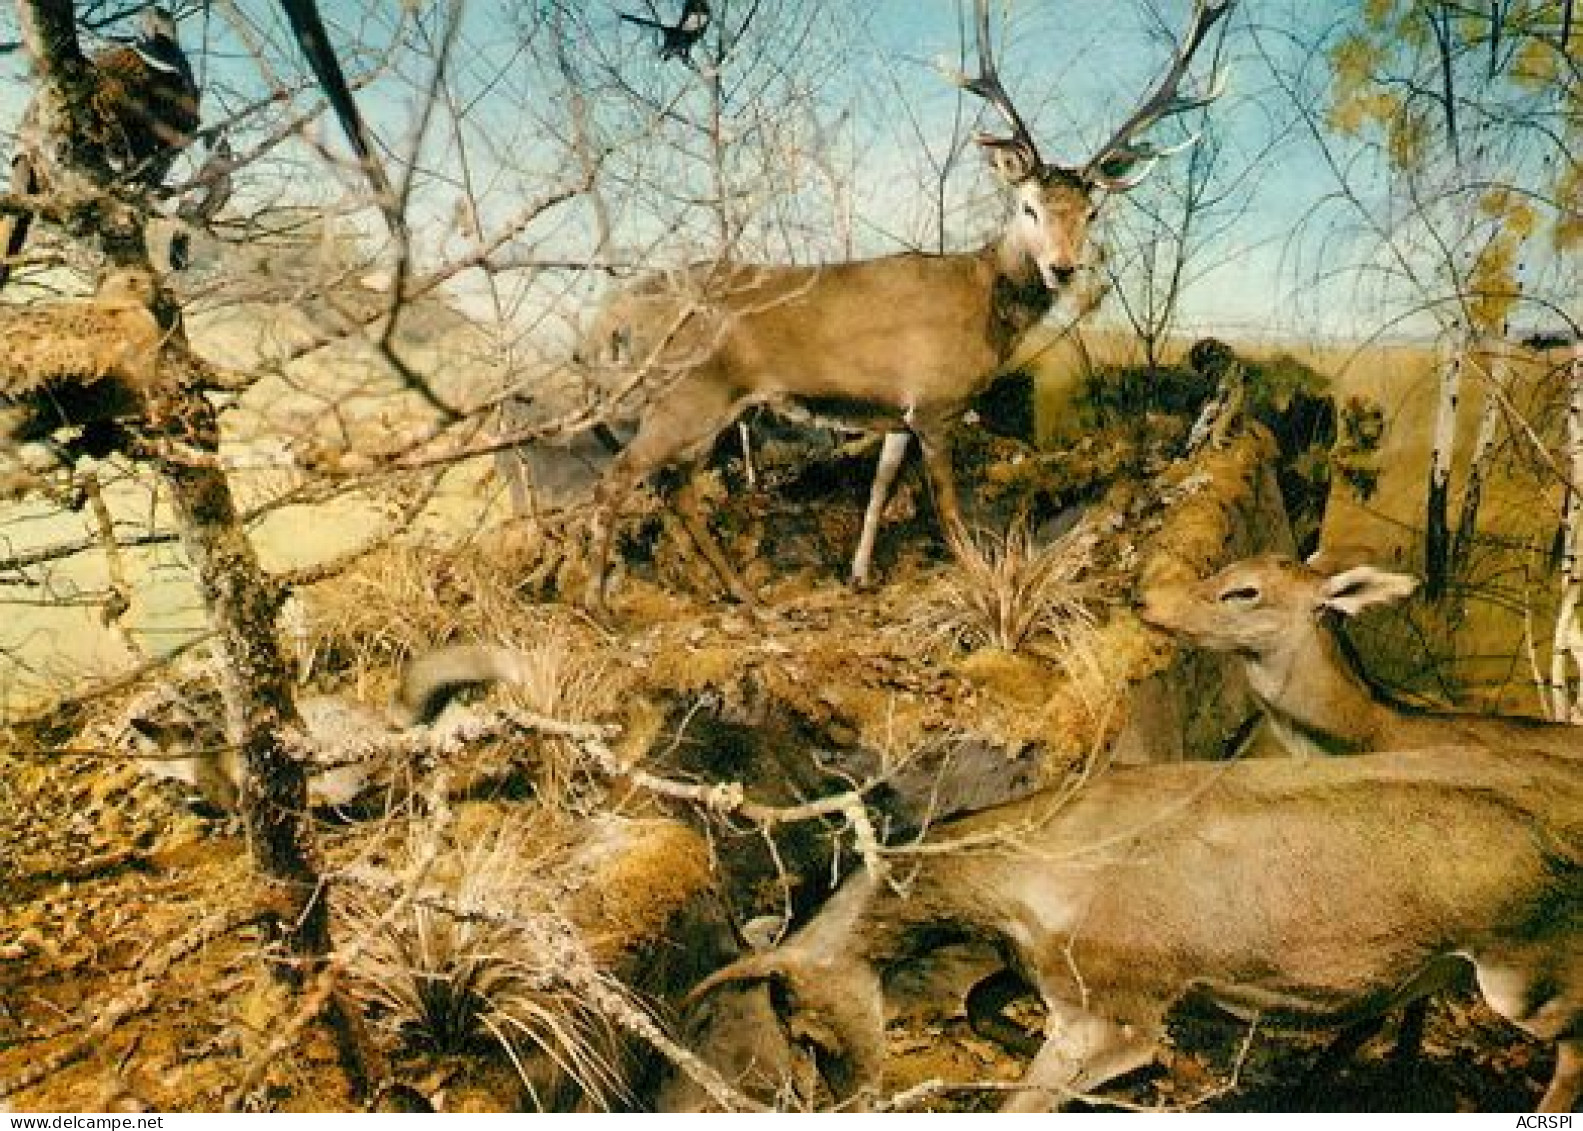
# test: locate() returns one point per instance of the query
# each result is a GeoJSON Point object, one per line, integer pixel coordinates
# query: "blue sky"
{"type": "Point", "coordinates": [1078, 67]}
{"type": "Point", "coordinates": [868, 76]}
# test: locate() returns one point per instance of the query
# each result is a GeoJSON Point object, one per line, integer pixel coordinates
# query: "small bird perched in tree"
{"type": "Point", "coordinates": [74, 366]}
{"type": "Point", "coordinates": [677, 40]}
{"type": "Point", "coordinates": [143, 112]}
{"type": "Point", "coordinates": [146, 104]}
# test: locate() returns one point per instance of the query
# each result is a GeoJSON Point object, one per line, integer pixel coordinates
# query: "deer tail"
{"type": "Point", "coordinates": [433, 680]}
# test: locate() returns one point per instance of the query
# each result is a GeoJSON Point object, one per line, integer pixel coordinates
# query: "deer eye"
{"type": "Point", "coordinates": [1242, 595]}
{"type": "Point", "coordinates": [1030, 211]}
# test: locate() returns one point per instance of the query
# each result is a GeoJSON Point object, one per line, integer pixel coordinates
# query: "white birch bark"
{"type": "Point", "coordinates": [1566, 656]}
{"type": "Point", "coordinates": [1437, 527]}
{"type": "Point", "coordinates": [1495, 369]}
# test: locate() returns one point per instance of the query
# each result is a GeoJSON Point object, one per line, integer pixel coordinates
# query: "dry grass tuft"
{"type": "Point", "coordinates": [405, 599]}
{"type": "Point", "coordinates": [477, 962]}
{"type": "Point", "coordinates": [357, 629]}
{"type": "Point", "coordinates": [1010, 593]}
{"type": "Point", "coordinates": [562, 675]}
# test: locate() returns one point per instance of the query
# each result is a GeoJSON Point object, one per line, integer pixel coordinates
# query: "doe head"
{"type": "Point", "coordinates": [1266, 604]}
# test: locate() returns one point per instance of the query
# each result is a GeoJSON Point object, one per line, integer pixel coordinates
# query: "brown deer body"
{"type": "Point", "coordinates": [1274, 613]}
{"type": "Point", "coordinates": [899, 344]}
{"type": "Point", "coordinates": [1303, 892]}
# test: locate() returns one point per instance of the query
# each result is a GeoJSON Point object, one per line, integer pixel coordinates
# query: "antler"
{"type": "Point", "coordinates": [1122, 162]}
{"type": "Point", "coordinates": [988, 87]}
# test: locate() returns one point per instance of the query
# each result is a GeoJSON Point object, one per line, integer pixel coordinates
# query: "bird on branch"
{"type": "Point", "coordinates": [141, 113]}
{"type": "Point", "coordinates": [71, 371]}
{"type": "Point", "coordinates": [677, 40]}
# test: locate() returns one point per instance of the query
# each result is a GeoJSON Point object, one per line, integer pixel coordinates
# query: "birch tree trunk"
{"type": "Point", "coordinates": [1497, 375]}
{"type": "Point", "coordinates": [1566, 654]}
{"type": "Point", "coordinates": [1437, 528]}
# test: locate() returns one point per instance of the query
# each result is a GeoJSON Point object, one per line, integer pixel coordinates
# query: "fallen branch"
{"type": "Point", "coordinates": [729, 798]}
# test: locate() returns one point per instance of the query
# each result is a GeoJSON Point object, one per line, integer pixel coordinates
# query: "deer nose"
{"type": "Point", "coordinates": [1062, 274]}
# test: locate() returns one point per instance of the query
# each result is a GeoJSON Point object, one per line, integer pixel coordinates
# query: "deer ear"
{"type": "Point", "coordinates": [1359, 588]}
{"type": "Point", "coordinates": [1011, 157]}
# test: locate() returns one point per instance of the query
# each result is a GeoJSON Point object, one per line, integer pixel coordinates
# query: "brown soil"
{"type": "Point", "coordinates": [103, 872]}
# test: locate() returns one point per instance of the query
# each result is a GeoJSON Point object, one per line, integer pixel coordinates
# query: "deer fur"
{"type": "Point", "coordinates": [900, 344]}
{"type": "Point", "coordinates": [1306, 892]}
{"type": "Point", "coordinates": [1277, 615]}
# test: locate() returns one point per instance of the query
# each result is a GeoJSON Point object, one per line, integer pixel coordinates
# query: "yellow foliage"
{"type": "Point", "coordinates": [1413, 30]}
{"type": "Point", "coordinates": [1494, 202]}
{"type": "Point", "coordinates": [1354, 61]}
{"type": "Point", "coordinates": [1472, 30]}
{"type": "Point", "coordinates": [1492, 283]}
{"type": "Point", "coordinates": [1516, 214]}
{"type": "Point", "coordinates": [1408, 142]}
{"type": "Point", "coordinates": [1355, 99]}
{"type": "Point", "coordinates": [1346, 118]}
{"type": "Point", "coordinates": [1536, 64]}
{"type": "Point", "coordinates": [1378, 13]}
{"type": "Point", "coordinates": [1568, 232]}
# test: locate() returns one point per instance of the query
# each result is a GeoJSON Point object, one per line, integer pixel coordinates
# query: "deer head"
{"type": "Point", "coordinates": [1268, 605]}
{"type": "Point", "coordinates": [1056, 203]}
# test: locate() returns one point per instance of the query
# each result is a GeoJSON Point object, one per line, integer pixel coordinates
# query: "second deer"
{"type": "Point", "coordinates": [1301, 892]}
{"type": "Point", "coordinates": [899, 344]}
{"type": "Point", "coordinates": [1276, 614]}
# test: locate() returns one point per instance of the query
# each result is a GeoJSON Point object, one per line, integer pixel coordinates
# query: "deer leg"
{"type": "Point", "coordinates": [745, 438]}
{"type": "Point", "coordinates": [509, 467]}
{"type": "Point", "coordinates": [612, 491]}
{"type": "Point", "coordinates": [1340, 1051]}
{"type": "Point", "coordinates": [934, 440]}
{"type": "Point", "coordinates": [697, 526]}
{"type": "Point", "coordinates": [844, 1019]}
{"type": "Point", "coordinates": [985, 1002]}
{"type": "Point", "coordinates": [1410, 1035]}
{"type": "Point", "coordinates": [890, 460]}
{"type": "Point", "coordinates": [1081, 1051]}
{"type": "Point", "coordinates": [1567, 1083]}
{"type": "Point", "coordinates": [1539, 988]}
{"type": "Point", "coordinates": [678, 426]}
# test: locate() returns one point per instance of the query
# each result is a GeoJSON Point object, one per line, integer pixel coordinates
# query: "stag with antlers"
{"type": "Point", "coordinates": [899, 344]}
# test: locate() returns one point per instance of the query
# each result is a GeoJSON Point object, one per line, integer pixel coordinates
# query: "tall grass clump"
{"type": "Point", "coordinates": [1007, 591]}
{"type": "Point", "coordinates": [478, 961]}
